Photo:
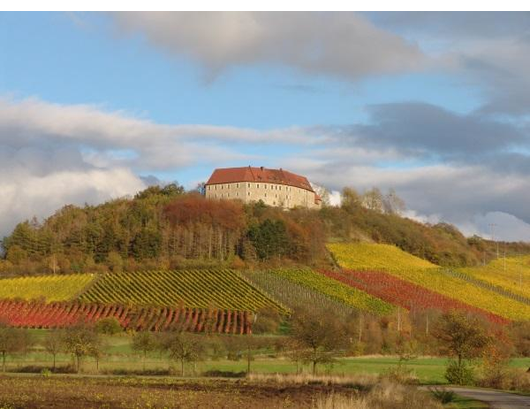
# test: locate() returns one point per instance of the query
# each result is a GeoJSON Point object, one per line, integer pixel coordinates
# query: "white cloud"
{"type": "Point", "coordinates": [343, 44]}
{"type": "Point", "coordinates": [54, 154]}
{"type": "Point", "coordinates": [25, 195]}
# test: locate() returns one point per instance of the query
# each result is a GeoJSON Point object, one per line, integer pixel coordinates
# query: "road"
{"type": "Point", "coordinates": [495, 399]}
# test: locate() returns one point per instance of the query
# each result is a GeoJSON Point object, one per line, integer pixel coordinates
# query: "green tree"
{"type": "Point", "coordinates": [109, 326]}
{"type": "Point", "coordinates": [269, 238]}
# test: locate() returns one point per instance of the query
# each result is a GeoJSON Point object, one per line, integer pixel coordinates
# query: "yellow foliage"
{"type": "Point", "coordinates": [394, 261]}
{"type": "Point", "coordinates": [53, 288]}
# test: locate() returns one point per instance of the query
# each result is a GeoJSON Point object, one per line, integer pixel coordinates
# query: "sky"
{"type": "Point", "coordinates": [95, 106]}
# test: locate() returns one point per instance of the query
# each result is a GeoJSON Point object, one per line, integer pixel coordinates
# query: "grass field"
{"type": "Point", "coordinates": [120, 356]}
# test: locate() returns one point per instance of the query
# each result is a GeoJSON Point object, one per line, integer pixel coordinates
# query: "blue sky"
{"type": "Point", "coordinates": [432, 105]}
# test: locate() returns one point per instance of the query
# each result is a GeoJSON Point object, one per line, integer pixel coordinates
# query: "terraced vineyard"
{"type": "Point", "coordinates": [54, 288]}
{"type": "Point", "coordinates": [63, 314]}
{"type": "Point", "coordinates": [334, 290]}
{"type": "Point", "coordinates": [221, 289]}
{"type": "Point", "coordinates": [512, 274]}
{"type": "Point", "coordinates": [405, 294]}
{"type": "Point", "coordinates": [293, 295]}
{"type": "Point", "coordinates": [394, 261]}
{"type": "Point", "coordinates": [375, 256]}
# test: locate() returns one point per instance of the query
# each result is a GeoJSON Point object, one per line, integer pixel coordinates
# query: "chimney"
{"type": "Point", "coordinates": [261, 168]}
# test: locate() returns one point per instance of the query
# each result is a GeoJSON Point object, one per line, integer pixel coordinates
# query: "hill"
{"type": "Point", "coordinates": [168, 228]}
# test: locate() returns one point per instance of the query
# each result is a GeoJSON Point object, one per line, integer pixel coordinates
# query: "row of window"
{"type": "Point", "coordinates": [249, 185]}
{"type": "Point", "coordinates": [237, 195]}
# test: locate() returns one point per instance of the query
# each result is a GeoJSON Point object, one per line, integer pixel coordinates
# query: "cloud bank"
{"type": "Point", "coordinates": [338, 44]}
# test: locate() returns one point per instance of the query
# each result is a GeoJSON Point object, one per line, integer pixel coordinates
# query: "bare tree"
{"type": "Point", "coordinates": [54, 344]}
{"type": "Point", "coordinates": [320, 335]}
{"type": "Point", "coordinates": [12, 341]}
{"type": "Point", "coordinates": [80, 341]}
{"type": "Point", "coordinates": [144, 342]}
{"type": "Point", "coordinates": [185, 348]}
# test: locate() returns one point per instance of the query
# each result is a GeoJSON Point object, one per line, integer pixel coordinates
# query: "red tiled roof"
{"type": "Point", "coordinates": [253, 174]}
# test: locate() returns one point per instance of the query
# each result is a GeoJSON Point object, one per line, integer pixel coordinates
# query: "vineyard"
{"type": "Point", "coordinates": [391, 260]}
{"type": "Point", "coordinates": [63, 314]}
{"type": "Point", "coordinates": [294, 295]}
{"type": "Point", "coordinates": [511, 274]}
{"type": "Point", "coordinates": [50, 288]}
{"type": "Point", "coordinates": [222, 289]}
{"type": "Point", "coordinates": [335, 290]}
{"type": "Point", "coordinates": [405, 294]}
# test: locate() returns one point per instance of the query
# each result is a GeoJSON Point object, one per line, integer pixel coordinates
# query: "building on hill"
{"type": "Point", "coordinates": [275, 187]}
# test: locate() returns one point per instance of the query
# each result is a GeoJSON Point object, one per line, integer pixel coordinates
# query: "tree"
{"type": "Point", "coordinates": [323, 193]}
{"type": "Point", "coordinates": [463, 338]}
{"type": "Point", "coordinates": [269, 239]}
{"type": "Point", "coordinates": [321, 336]}
{"type": "Point", "coordinates": [350, 199]}
{"type": "Point", "coordinates": [144, 342]}
{"type": "Point", "coordinates": [12, 340]}
{"type": "Point", "coordinates": [108, 326]}
{"type": "Point", "coordinates": [267, 321]}
{"type": "Point", "coordinates": [115, 262]}
{"type": "Point", "coordinates": [373, 200]}
{"type": "Point", "coordinates": [182, 347]}
{"type": "Point", "coordinates": [80, 341]}
{"type": "Point", "coordinates": [54, 344]}
{"type": "Point", "coordinates": [392, 203]}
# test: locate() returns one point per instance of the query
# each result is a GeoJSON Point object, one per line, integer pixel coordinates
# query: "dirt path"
{"type": "Point", "coordinates": [495, 399]}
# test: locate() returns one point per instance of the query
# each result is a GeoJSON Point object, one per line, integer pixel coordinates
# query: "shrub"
{"type": "Point", "coordinates": [459, 374]}
{"type": "Point", "coordinates": [443, 395]}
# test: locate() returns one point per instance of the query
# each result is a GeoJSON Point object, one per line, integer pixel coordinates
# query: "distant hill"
{"type": "Point", "coordinates": [167, 228]}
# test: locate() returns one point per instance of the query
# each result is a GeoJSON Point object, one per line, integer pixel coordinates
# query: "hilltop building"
{"type": "Point", "coordinates": [275, 187]}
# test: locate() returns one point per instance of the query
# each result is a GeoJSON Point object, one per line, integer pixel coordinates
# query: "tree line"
{"type": "Point", "coordinates": [478, 352]}
{"type": "Point", "coordinates": [167, 227]}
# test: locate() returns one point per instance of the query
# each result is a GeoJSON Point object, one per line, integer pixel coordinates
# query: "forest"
{"type": "Point", "coordinates": [170, 228]}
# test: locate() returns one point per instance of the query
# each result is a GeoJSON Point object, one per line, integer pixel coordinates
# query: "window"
{"type": "Point", "coordinates": [265, 186]}
{"type": "Point", "coordinates": [265, 195]}
{"type": "Point", "coordinates": [248, 185]}
{"type": "Point", "coordinates": [280, 188]}
{"type": "Point", "coordinates": [216, 188]}
{"type": "Point", "coordinates": [248, 193]}
{"type": "Point", "coordinates": [257, 185]}
{"type": "Point", "coordinates": [237, 194]}
{"type": "Point", "coordinates": [222, 186]}
{"type": "Point", "coordinates": [237, 185]}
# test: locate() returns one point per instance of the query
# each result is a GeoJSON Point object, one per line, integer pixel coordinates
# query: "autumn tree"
{"type": "Point", "coordinates": [184, 348]}
{"type": "Point", "coordinates": [373, 200]}
{"type": "Point", "coordinates": [12, 341]}
{"type": "Point", "coordinates": [392, 203]}
{"type": "Point", "coordinates": [54, 344]}
{"type": "Point", "coordinates": [144, 342]}
{"type": "Point", "coordinates": [463, 339]}
{"type": "Point", "coordinates": [81, 340]}
{"type": "Point", "coordinates": [350, 199]}
{"type": "Point", "coordinates": [320, 335]}
{"type": "Point", "coordinates": [108, 326]}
